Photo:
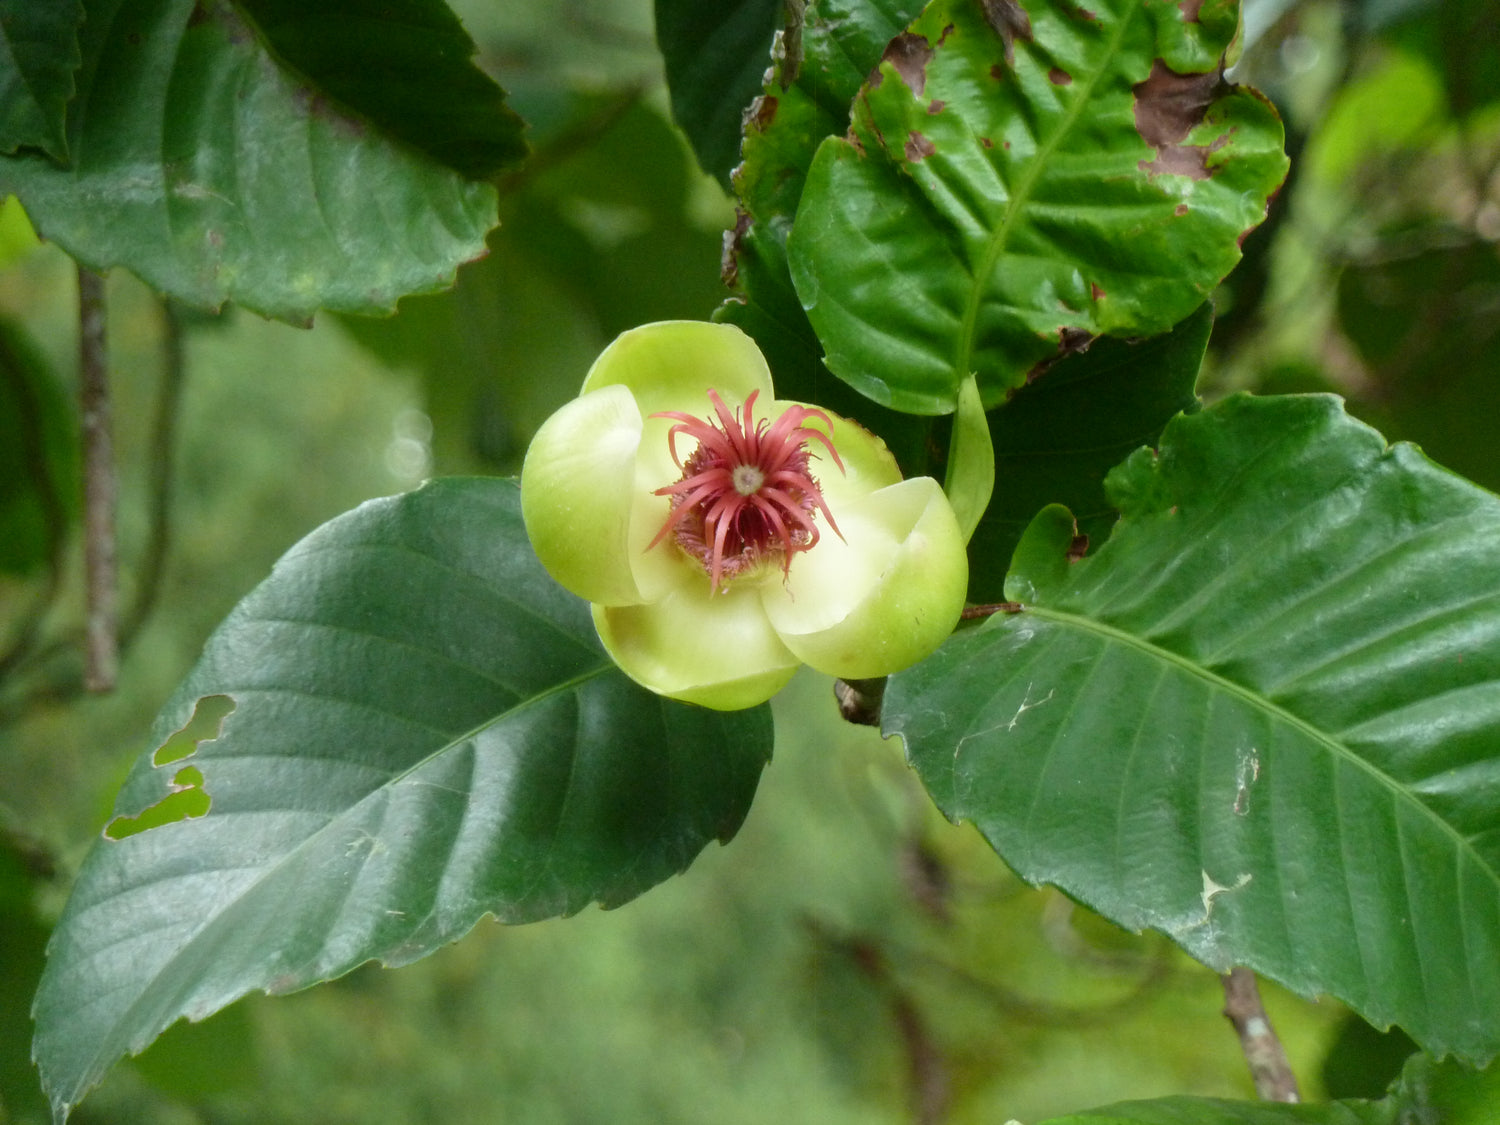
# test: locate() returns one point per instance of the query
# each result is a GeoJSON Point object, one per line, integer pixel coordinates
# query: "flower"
{"type": "Point", "coordinates": [725, 537]}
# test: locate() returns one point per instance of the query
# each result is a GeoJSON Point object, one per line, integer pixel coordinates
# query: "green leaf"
{"type": "Point", "coordinates": [38, 457]}
{"type": "Point", "coordinates": [805, 99]}
{"type": "Point", "coordinates": [971, 460]}
{"type": "Point", "coordinates": [715, 55]}
{"type": "Point", "coordinates": [206, 166]}
{"type": "Point", "coordinates": [407, 66]}
{"type": "Point", "coordinates": [1009, 191]}
{"type": "Point", "coordinates": [1426, 1092]}
{"type": "Point", "coordinates": [38, 55]}
{"type": "Point", "coordinates": [1221, 1111]}
{"type": "Point", "coordinates": [425, 730]}
{"type": "Point", "coordinates": [1058, 436]}
{"type": "Point", "coordinates": [1262, 719]}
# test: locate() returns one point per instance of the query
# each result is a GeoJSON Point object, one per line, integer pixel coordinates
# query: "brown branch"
{"type": "Point", "coordinates": [100, 488]}
{"type": "Point", "coordinates": [974, 612]}
{"type": "Point", "coordinates": [1274, 1080]}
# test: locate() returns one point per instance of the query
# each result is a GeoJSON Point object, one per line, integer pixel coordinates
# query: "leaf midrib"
{"type": "Point", "coordinates": [84, 1079]}
{"type": "Point", "coordinates": [1278, 713]}
{"type": "Point", "coordinates": [1021, 195]}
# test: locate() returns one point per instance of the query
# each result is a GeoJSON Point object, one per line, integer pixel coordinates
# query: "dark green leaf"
{"type": "Point", "coordinates": [806, 99]}
{"type": "Point", "coordinates": [1262, 719]}
{"type": "Point", "coordinates": [425, 730]}
{"type": "Point", "coordinates": [215, 173]}
{"type": "Point", "coordinates": [587, 248]}
{"type": "Point", "coordinates": [715, 55]}
{"type": "Point", "coordinates": [23, 937]}
{"type": "Point", "coordinates": [1426, 1093]}
{"type": "Point", "coordinates": [38, 55]}
{"type": "Point", "coordinates": [404, 64]}
{"type": "Point", "coordinates": [38, 457]}
{"type": "Point", "coordinates": [1058, 436]}
{"type": "Point", "coordinates": [1006, 194]}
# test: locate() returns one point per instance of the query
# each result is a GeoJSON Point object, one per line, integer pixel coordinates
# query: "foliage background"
{"type": "Point", "coordinates": [849, 949]}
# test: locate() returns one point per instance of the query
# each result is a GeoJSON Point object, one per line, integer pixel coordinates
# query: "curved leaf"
{"type": "Point", "coordinates": [1058, 436]}
{"type": "Point", "coordinates": [806, 98]}
{"type": "Point", "coordinates": [1019, 180]}
{"type": "Point", "coordinates": [38, 55]}
{"type": "Point", "coordinates": [425, 730]}
{"type": "Point", "coordinates": [407, 66]}
{"type": "Point", "coordinates": [715, 55]}
{"type": "Point", "coordinates": [205, 166]}
{"type": "Point", "coordinates": [1263, 719]}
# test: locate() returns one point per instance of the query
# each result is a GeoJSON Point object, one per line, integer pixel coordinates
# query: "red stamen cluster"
{"type": "Point", "coordinates": [746, 492]}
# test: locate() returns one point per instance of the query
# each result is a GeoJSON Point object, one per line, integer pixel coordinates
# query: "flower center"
{"type": "Point", "coordinates": [747, 494]}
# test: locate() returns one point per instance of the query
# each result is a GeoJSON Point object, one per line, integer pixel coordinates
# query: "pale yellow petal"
{"type": "Point", "coordinates": [886, 598]}
{"type": "Point", "coordinates": [715, 650]}
{"type": "Point", "coordinates": [578, 494]}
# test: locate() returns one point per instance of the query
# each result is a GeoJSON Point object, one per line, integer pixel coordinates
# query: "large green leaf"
{"type": "Point", "coordinates": [715, 55]}
{"type": "Point", "coordinates": [1262, 719]}
{"type": "Point", "coordinates": [1426, 1093]}
{"type": "Point", "coordinates": [208, 167]}
{"type": "Point", "coordinates": [404, 64]}
{"type": "Point", "coordinates": [425, 730]}
{"type": "Point", "coordinates": [1018, 180]}
{"type": "Point", "coordinates": [806, 98]}
{"type": "Point", "coordinates": [38, 55]}
{"type": "Point", "coordinates": [1057, 437]}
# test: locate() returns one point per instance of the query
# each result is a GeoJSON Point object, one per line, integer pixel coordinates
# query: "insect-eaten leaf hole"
{"type": "Point", "coordinates": [188, 798]}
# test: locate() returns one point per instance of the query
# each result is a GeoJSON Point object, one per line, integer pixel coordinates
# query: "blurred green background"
{"type": "Point", "coordinates": [850, 956]}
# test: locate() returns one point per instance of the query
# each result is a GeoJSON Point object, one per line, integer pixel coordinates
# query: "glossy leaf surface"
{"type": "Point", "coordinates": [715, 55]}
{"type": "Point", "coordinates": [1425, 1091]}
{"type": "Point", "coordinates": [38, 55]}
{"type": "Point", "coordinates": [1019, 180]}
{"type": "Point", "coordinates": [425, 730]}
{"type": "Point", "coordinates": [404, 65]}
{"type": "Point", "coordinates": [203, 163]}
{"type": "Point", "coordinates": [1057, 437]}
{"type": "Point", "coordinates": [807, 97]}
{"type": "Point", "coordinates": [1262, 719]}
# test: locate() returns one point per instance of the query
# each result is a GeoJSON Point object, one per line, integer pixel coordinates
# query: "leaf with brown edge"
{"type": "Point", "coordinates": [1003, 198]}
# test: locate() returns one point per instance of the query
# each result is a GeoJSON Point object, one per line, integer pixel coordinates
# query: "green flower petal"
{"type": "Point", "coordinates": [715, 650]}
{"type": "Point", "coordinates": [672, 365]}
{"type": "Point", "coordinates": [578, 491]}
{"type": "Point", "coordinates": [884, 599]}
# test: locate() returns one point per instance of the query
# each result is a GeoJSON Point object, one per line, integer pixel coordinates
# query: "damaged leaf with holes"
{"type": "Point", "coordinates": [1019, 180]}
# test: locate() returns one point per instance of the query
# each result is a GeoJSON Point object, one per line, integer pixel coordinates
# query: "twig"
{"type": "Point", "coordinates": [101, 644]}
{"type": "Point", "coordinates": [973, 612]}
{"type": "Point", "coordinates": [1274, 1080]}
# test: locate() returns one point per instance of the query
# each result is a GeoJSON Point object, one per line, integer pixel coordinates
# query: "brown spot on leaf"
{"type": "Point", "coordinates": [1095, 291]}
{"type": "Point", "coordinates": [935, 106]}
{"type": "Point", "coordinates": [1059, 77]}
{"type": "Point", "coordinates": [918, 147]}
{"type": "Point", "coordinates": [763, 112]}
{"type": "Point", "coordinates": [986, 142]}
{"type": "Point", "coordinates": [1077, 548]}
{"type": "Point", "coordinates": [997, 72]}
{"type": "Point", "coordinates": [1190, 10]}
{"type": "Point", "coordinates": [729, 262]}
{"type": "Point", "coordinates": [1168, 106]}
{"type": "Point", "coordinates": [1180, 210]}
{"type": "Point", "coordinates": [1071, 339]}
{"type": "Point", "coordinates": [1010, 22]}
{"type": "Point", "coordinates": [1086, 15]}
{"type": "Point", "coordinates": [909, 55]}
